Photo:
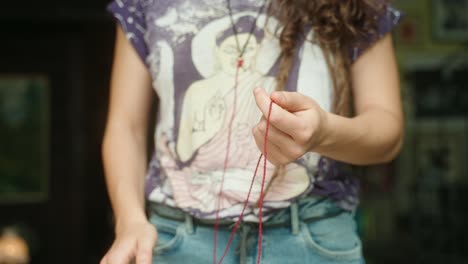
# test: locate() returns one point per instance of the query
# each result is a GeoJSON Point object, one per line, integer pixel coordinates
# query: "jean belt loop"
{"type": "Point", "coordinates": [294, 218]}
{"type": "Point", "coordinates": [245, 230]}
{"type": "Point", "coordinates": [189, 223]}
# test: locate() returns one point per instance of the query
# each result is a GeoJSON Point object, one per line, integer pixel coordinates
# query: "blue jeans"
{"type": "Point", "coordinates": [328, 235]}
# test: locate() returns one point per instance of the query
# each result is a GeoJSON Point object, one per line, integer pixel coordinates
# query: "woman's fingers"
{"type": "Point", "coordinates": [134, 245]}
{"type": "Point", "coordinates": [292, 101]}
{"type": "Point", "coordinates": [122, 252]}
{"type": "Point", "coordinates": [296, 115]}
{"type": "Point", "coordinates": [288, 147]}
{"type": "Point", "coordinates": [145, 249]}
{"type": "Point", "coordinates": [280, 118]}
{"type": "Point", "coordinates": [274, 154]}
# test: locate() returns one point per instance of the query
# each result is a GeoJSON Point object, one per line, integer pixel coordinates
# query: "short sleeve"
{"type": "Point", "coordinates": [386, 23]}
{"type": "Point", "coordinates": [131, 16]}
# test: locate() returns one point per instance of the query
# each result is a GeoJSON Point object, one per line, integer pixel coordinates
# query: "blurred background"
{"type": "Point", "coordinates": [55, 59]}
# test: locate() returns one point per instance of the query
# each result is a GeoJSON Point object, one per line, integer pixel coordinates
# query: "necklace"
{"type": "Point", "coordinates": [241, 50]}
{"type": "Point", "coordinates": [240, 62]}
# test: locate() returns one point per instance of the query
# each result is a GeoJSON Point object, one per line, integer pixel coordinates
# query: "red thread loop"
{"type": "Point", "coordinates": [240, 62]}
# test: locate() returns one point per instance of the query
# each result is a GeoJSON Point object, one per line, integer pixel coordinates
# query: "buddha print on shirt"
{"type": "Point", "coordinates": [197, 165]}
{"type": "Point", "coordinates": [190, 50]}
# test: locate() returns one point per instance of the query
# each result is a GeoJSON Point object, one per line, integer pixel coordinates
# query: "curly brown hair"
{"type": "Point", "coordinates": [338, 25]}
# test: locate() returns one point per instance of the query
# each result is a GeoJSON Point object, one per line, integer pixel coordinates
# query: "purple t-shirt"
{"type": "Point", "coordinates": [190, 50]}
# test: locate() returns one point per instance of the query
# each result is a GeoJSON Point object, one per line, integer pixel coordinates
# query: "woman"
{"type": "Point", "coordinates": [213, 65]}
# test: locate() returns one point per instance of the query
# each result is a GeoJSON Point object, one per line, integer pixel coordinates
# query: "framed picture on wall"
{"type": "Point", "coordinates": [450, 20]}
{"type": "Point", "coordinates": [24, 138]}
{"type": "Point", "coordinates": [440, 147]}
{"type": "Point", "coordinates": [433, 159]}
{"type": "Point", "coordinates": [439, 90]}
{"type": "Point", "coordinates": [410, 33]}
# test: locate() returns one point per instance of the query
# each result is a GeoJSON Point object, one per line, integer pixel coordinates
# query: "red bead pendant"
{"type": "Point", "coordinates": [240, 62]}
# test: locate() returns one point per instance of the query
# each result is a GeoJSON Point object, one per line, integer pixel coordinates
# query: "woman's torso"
{"type": "Point", "coordinates": [190, 49]}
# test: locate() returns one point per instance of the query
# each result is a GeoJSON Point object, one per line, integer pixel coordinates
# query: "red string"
{"type": "Point", "coordinates": [234, 229]}
{"type": "Point", "coordinates": [239, 220]}
{"type": "Point", "coordinates": [240, 62]}
{"type": "Point", "coordinates": [260, 202]}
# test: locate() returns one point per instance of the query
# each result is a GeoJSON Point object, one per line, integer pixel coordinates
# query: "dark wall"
{"type": "Point", "coordinates": [70, 42]}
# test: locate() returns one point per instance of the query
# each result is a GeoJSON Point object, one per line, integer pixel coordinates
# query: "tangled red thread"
{"type": "Point", "coordinates": [240, 63]}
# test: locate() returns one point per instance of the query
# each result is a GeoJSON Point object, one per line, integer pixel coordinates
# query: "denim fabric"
{"type": "Point", "coordinates": [323, 240]}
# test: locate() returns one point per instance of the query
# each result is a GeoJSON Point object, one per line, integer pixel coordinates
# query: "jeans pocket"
{"type": "Point", "coordinates": [334, 238]}
{"type": "Point", "coordinates": [170, 235]}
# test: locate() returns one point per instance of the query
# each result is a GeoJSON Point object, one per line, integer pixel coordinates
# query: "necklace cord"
{"type": "Point", "coordinates": [242, 50]}
{"type": "Point", "coordinates": [240, 63]}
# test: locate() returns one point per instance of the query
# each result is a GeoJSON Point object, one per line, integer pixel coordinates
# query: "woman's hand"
{"type": "Point", "coordinates": [134, 243]}
{"type": "Point", "coordinates": [297, 125]}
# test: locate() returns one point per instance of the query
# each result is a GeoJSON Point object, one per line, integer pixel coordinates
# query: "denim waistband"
{"type": "Point", "coordinates": [304, 210]}
{"type": "Point", "coordinates": [307, 209]}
